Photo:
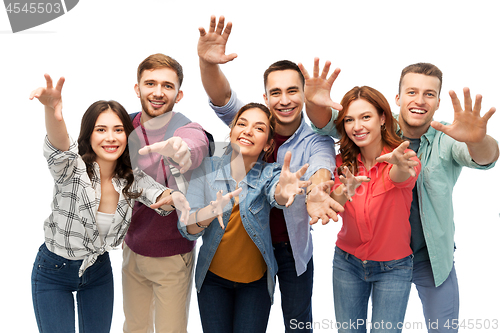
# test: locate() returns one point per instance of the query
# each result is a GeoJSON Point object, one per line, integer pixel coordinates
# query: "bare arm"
{"type": "Point", "coordinates": [50, 97]}
{"type": "Point", "coordinates": [211, 51]}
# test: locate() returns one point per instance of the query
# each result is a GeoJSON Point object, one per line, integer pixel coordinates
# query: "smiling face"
{"type": "Point", "coordinates": [158, 90]}
{"type": "Point", "coordinates": [250, 134]}
{"type": "Point", "coordinates": [285, 98]}
{"type": "Point", "coordinates": [108, 139]}
{"type": "Point", "coordinates": [362, 125]}
{"type": "Point", "coordinates": [418, 101]}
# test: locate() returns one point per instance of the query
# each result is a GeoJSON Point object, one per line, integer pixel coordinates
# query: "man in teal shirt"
{"type": "Point", "coordinates": [443, 150]}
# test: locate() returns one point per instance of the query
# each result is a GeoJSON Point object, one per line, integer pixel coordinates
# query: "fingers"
{"type": "Point", "coordinates": [302, 171]}
{"type": "Point", "coordinates": [326, 69]}
{"type": "Point", "coordinates": [227, 30]}
{"type": "Point", "coordinates": [212, 24]}
{"type": "Point", "coordinates": [488, 114]}
{"type": "Point", "coordinates": [60, 84]}
{"type": "Point", "coordinates": [384, 158]}
{"type": "Point", "coordinates": [220, 25]}
{"type": "Point", "coordinates": [303, 71]}
{"type": "Point", "coordinates": [467, 100]}
{"type": "Point", "coordinates": [48, 81]}
{"type": "Point", "coordinates": [316, 67]}
{"type": "Point", "coordinates": [286, 163]}
{"type": "Point", "coordinates": [455, 101]}
{"type": "Point", "coordinates": [439, 127]}
{"type": "Point", "coordinates": [221, 222]}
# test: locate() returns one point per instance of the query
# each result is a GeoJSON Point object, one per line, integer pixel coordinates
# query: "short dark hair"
{"type": "Point", "coordinates": [281, 66]}
{"type": "Point", "coordinates": [422, 68]}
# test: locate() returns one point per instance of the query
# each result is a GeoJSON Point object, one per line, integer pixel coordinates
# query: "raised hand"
{"type": "Point", "coordinates": [468, 126]}
{"type": "Point", "coordinates": [320, 205]}
{"type": "Point", "coordinates": [50, 96]}
{"type": "Point", "coordinates": [289, 184]}
{"type": "Point", "coordinates": [212, 45]}
{"type": "Point", "coordinates": [317, 88]}
{"type": "Point", "coordinates": [402, 160]}
{"type": "Point", "coordinates": [351, 183]}
{"type": "Point", "coordinates": [174, 148]}
{"type": "Point", "coordinates": [217, 206]}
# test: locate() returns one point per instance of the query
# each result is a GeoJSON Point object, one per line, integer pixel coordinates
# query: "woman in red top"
{"type": "Point", "coordinates": [373, 254]}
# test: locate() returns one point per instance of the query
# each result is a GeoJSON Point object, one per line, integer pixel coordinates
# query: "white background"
{"type": "Point", "coordinates": [98, 45]}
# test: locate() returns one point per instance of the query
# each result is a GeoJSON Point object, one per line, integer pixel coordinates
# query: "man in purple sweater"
{"type": "Point", "coordinates": [157, 260]}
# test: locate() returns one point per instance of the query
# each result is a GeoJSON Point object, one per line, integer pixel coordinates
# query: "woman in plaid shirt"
{"type": "Point", "coordinates": [94, 192]}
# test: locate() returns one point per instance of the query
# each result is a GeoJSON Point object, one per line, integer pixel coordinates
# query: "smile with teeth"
{"type": "Point", "coordinates": [360, 135]}
{"type": "Point", "coordinates": [110, 149]}
{"type": "Point", "coordinates": [418, 111]}
{"type": "Point", "coordinates": [245, 141]}
{"type": "Point", "coordinates": [157, 103]}
{"type": "Point", "coordinates": [286, 110]}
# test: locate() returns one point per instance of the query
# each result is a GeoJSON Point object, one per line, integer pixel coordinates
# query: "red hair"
{"type": "Point", "coordinates": [349, 151]}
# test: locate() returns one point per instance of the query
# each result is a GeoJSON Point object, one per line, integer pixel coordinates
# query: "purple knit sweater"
{"type": "Point", "coordinates": [150, 234]}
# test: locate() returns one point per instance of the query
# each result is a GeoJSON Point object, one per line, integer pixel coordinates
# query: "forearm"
{"type": "Point", "coordinates": [319, 115]}
{"type": "Point", "coordinates": [56, 130]}
{"type": "Point", "coordinates": [320, 176]}
{"type": "Point", "coordinates": [398, 175]}
{"type": "Point", "coordinates": [203, 216]}
{"type": "Point", "coordinates": [484, 152]}
{"type": "Point", "coordinates": [215, 83]}
{"type": "Point", "coordinates": [338, 195]}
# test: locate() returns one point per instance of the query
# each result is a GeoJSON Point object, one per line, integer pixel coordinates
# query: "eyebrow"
{"type": "Point", "coordinates": [257, 123]}
{"type": "Point", "coordinates": [98, 125]}
{"type": "Point", "coordinates": [414, 88]}
{"type": "Point", "coordinates": [154, 81]}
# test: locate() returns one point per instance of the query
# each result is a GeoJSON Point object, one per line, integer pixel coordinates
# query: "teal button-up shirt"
{"type": "Point", "coordinates": [442, 160]}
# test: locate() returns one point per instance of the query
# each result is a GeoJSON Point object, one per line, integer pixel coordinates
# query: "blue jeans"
{"type": "Point", "coordinates": [53, 281]}
{"type": "Point", "coordinates": [231, 307]}
{"type": "Point", "coordinates": [440, 303]}
{"type": "Point", "coordinates": [387, 282]}
{"type": "Point", "coordinates": [296, 291]}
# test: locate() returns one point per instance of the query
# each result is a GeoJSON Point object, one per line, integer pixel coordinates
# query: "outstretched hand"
{"type": "Point", "coordinates": [351, 183]}
{"type": "Point", "coordinates": [289, 184]}
{"type": "Point", "coordinates": [174, 148]}
{"type": "Point", "coordinates": [320, 205]}
{"type": "Point", "coordinates": [317, 88]}
{"type": "Point", "coordinates": [50, 96]}
{"type": "Point", "coordinates": [212, 45]}
{"type": "Point", "coordinates": [468, 126]}
{"type": "Point", "coordinates": [176, 199]}
{"type": "Point", "coordinates": [217, 206]}
{"type": "Point", "coordinates": [401, 158]}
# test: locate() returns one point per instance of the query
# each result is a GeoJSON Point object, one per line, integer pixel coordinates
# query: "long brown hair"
{"type": "Point", "coordinates": [270, 117]}
{"type": "Point", "coordinates": [348, 149]}
{"type": "Point", "coordinates": [123, 167]}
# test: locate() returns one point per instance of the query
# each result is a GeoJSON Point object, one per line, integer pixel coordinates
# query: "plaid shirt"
{"type": "Point", "coordinates": [71, 230]}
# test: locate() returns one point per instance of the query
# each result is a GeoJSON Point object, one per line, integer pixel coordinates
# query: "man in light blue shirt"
{"type": "Point", "coordinates": [290, 229]}
{"type": "Point", "coordinates": [443, 150]}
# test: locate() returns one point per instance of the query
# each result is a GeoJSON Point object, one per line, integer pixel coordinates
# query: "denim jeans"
{"type": "Point", "coordinates": [387, 282]}
{"type": "Point", "coordinates": [231, 307]}
{"type": "Point", "coordinates": [441, 303]}
{"type": "Point", "coordinates": [53, 281]}
{"type": "Point", "coordinates": [296, 291]}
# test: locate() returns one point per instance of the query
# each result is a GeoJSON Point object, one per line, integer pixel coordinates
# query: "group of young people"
{"type": "Point", "coordinates": [149, 180]}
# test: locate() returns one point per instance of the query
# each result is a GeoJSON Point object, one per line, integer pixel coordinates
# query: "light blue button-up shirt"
{"type": "Point", "coordinates": [442, 160]}
{"type": "Point", "coordinates": [255, 202]}
{"type": "Point", "coordinates": [306, 147]}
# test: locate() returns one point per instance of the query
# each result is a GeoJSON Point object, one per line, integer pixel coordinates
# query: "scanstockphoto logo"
{"type": "Point", "coordinates": [24, 15]}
